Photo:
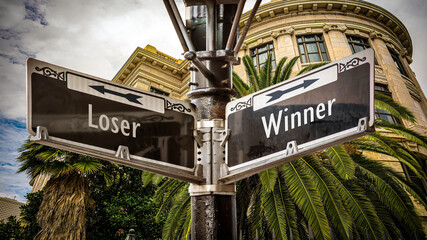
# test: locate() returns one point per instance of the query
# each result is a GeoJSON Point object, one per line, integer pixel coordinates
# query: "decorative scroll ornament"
{"type": "Point", "coordinates": [48, 72]}
{"type": "Point", "coordinates": [242, 105]}
{"type": "Point", "coordinates": [351, 64]}
{"type": "Point", "coordinates": [177, 107]}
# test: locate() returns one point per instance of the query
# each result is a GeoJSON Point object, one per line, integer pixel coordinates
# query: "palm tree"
{"type": "Point", "coordinates": [62, 214]}
{"type": "Point", "coordinates": [337, 193]}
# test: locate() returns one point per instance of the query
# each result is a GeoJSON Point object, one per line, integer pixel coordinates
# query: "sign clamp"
{"type": "Point", "coordinates": [362, 125]}
{"type": "Point", "coordinates": [41, 134]}
{"type": "Point", "coordinates": [123, 152]}
{"type": "Point", "coordinates": [291, 148]}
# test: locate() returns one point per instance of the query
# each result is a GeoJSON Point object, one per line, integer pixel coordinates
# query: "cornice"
{"type": "Point", "coordinates": [356, 8]}
{"type": "Point", "coordinates": [141, 75]}
{"type": "Point", "coordinates": [142, 55]}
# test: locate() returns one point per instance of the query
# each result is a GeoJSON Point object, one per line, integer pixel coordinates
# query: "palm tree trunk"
{"type": "Point", "coordinates": [62, 214]}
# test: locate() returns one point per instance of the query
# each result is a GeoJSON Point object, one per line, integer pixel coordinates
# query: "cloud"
{"type": "Point", "coordinates": [97, 37]}
{"type": "Point", "coordinates": [13, 134]}
{"type": "Point", "coordinates": [413, 16]}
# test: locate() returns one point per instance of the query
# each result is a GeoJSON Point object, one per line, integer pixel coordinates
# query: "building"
{"type": "Point", "coordinates": [318, 31]}
{"type": "Point", "coordinates": [151, 70]}
{"type": "Point", "coordinates": [9, 207]}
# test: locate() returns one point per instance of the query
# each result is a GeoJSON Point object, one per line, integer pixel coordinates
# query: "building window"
{"type": "Point", "coordinates": [412, 177]}
{"type": "Point", "coordinates": [386, 116]}
{"type": "Point", "coordinates": [155, 90]}
{"type": "Point", "coordinates": [358, 44]}
{"type": "Point", "coordinates": [312, 48]}
{"type": "Point", "coordinates": [260, 54]}
{"type": "Point", "coordinates": [382, 88]}
{"type": "Point", "coordinates": [383, 114]}
{"type": "Point", "coordinates": [398, 63]}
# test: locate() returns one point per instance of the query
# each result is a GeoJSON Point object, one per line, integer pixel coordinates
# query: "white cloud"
{"type": "Point", "coordinates": [413, 15]}
{"type": "Point", "coordinates": [12, 185]}
{"type": "Point", "coordinates": [97, 37]}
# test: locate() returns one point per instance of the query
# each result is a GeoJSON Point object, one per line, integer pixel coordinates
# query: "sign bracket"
{"type": "Point", "coordinates": [291, 148]}
{"type": "Point", "coordinates": [41, 134]}
{"type": "Point", "coordinates": [123, 152]}
{"type": "Point", "coordinates": [362, 125]}
{"type": "Point", "coordinates": [198, 138]}
{"type": "Point", "coordinates": [223, 137]}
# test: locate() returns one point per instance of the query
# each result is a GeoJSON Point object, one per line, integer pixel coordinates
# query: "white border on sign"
{"type": "Point", "coordinates": [249, 168]}
{"type": "Point", "coordinates": [155, 166]}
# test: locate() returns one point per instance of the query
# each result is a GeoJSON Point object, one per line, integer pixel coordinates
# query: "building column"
{"type": "Point", "coordinates": [396, 83]}
{"type": "Point", "coordinates": [421, 105]}
{"type": "Point", "coordinates": [336, 41]}
{"type": "Point", "coordinates": [285, 45]}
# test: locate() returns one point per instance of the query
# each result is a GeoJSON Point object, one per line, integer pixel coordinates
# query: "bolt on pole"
{"type": "Point", "coordinates": [208, 39]}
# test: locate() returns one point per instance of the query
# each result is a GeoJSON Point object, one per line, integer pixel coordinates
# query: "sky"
{"type": "Point", "coordinates": [97, 37]}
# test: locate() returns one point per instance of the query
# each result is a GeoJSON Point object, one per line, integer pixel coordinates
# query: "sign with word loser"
{"type": "Point", "coordinates": [88, 115]}
{"type": "Point", "coordinates": [325, 107]}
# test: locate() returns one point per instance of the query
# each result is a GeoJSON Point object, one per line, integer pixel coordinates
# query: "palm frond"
{"type": "Point", "coordinates": [278, 71]}
{"type": "Point", "coordinates": [266, 73]}
{"type": "Point", "coordinates": [387, 221]}
{"type": "Point", "coordinates": [402, 131]}
{"type": "Point", "coordinates": [418, 195]}
{"type": "Point", "coordinates": [255, 213]}
{"type": "Point", "coordinates": [307, 198]}
{"type": "Point", "coordinates": [341, 161]}
{"type": "Point", "coordinates": [287, 69]}
{"type": "Point", "coordinates": [312, 67]}
{"type": "Point", "coordinates": [336, 212]}
{"type": "Point", "coordinates": [388, 104]}
{"type": "Point", "coordinates": [241, 87]}
{"type": "Point", "coordinates": [187, 226]}
{"type": "Point", "coordinates": [88, 167]}
{"type": "Point", "coordinates": [274, 213]}
{"type": "Point", "coordinates": [395, 150]}
{"type": "Point", "coordinates": [359, 206]}
{"type": "Point", "coordinates": [177, 216]}
{"type": "Point", "coordinates": [252, 72]}
{"type": "Point", "coordinates": [289, 209]}
{"type": "Point", "coordinates": [268, 179]}
{"type": "Point", "coordinates": [166, 195]}
{"type": "Point", "coordinates": [389, 193]}
{"type": "Point", "coordinates": [148, 178]}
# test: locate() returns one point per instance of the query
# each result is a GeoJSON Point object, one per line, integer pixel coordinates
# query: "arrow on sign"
{"type": "Point", "coordinates": [278, 94]}
{"type": "Point", "coordinates": [129, 96]}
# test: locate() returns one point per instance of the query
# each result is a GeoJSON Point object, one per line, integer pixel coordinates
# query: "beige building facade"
{"type": "Point", "coordinates": [151, 70]}
{"type": "Point", "coordinates": [330, 30]}
{"type": "Point", "coordinates": [317, 31]}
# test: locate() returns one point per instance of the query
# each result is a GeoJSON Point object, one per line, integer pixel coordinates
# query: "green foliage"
{"type": "Point", "coordinates": [121, 204]}
{"type": "Point", "coordinates": [388, 104]}
{"type": "Point", "coordinates": [29, 214]}
{"type": "Point", "coordinates": [336, 194]}
{"type": "Point", "coordinates": [26, 227]}
{"type": "Point", "coordinates": [93, 199]}
{"type": "Point", "coordinates": [11, 229]}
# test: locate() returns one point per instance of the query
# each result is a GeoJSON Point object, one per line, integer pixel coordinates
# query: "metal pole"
{"type": "Point", "coordinates": [246, 29]}
{"type": "Point", "coordinates": [213, 205]}
{"type": "Point", "coordinates": [236, 22]}
{"type": "Point", "coordinates": [179, 26]}
{"type": "Point", "coordinates": [175, 23]}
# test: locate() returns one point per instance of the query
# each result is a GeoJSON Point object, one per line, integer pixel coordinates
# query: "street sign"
{"type": "Point", "coordinates": [99, 118]}
{"type": "Point", "coordinates": [322, 108]}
